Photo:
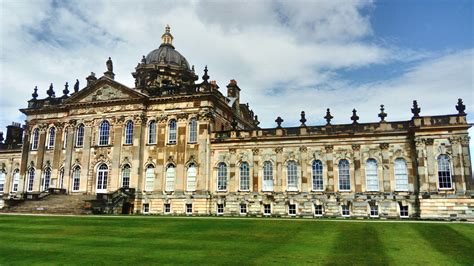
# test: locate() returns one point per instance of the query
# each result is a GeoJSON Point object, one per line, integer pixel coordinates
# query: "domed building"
{"type": "Point", "coordinates": [174, 146]}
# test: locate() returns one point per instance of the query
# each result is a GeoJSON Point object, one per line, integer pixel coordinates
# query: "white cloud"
{"type": "Point", "coordinates": [280, 52]}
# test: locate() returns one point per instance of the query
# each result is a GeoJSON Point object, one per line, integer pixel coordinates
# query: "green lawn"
{"type": "Point", "coordinates": [161, 240]}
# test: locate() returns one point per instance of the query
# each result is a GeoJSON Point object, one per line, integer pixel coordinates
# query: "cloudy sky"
{"type": "Point", "coordinates": [287, 56]}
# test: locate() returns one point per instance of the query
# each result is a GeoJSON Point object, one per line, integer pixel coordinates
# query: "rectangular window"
{"type": "Point", "coordinates": [244, 177]}
{"type": "Point", "coordinates": [2, 181]}
{"type": "Point", "coordinates": [243, 208]}
{"type": "Point", "coordinates": [65, 139]}
{"type": "Point", "coordinates": [146, 208]}
{"type": "Point", "coordinates": [292, 209]}
{"type": "Point", "coordinates": [345, 210]}
{"type": "Point", "coordinates": [220, 209]}
{"type": "Point", "coordinates": [189, 208]}
{"type": "Point", "coordinates": [374, 211]}
{"type": "Point", "coordinates": [404, 211]}
{"type": "Point", "coordinates": [267, 209]}
{"type": "Point", "coordinates": [167, 208]}
{"type": "Point", "coordinates": [318, 210]}
{"type": "Point", "coordinates": [193, 131]}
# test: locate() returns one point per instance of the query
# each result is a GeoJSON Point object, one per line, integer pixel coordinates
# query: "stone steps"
{"type": "Point", "coordinates": [54, 204]}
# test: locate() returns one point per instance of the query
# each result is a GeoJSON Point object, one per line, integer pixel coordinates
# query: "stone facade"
{"type": "Point", "coordinates": [187, 149]}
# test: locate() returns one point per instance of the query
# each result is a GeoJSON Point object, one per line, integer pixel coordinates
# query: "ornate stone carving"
{"type": "Point", "coordinates": [303, 149]}
{"type": "Point", "coordinates": [329, 148]}
{"type": "Point", "coordinates": [232, 150]}
{"type": "Point", "coordinates": [182, 116]}
{"type": "Point", "coordinates": [355, 147]}
{"type": "Point", "coordinates": [429, 141]}
{"type": "Point", "coordinates": [255, 151]}
{"type": "Point", "coordinates": [279, 149]}
{"type": "Point", "coordinates": [384, 146]}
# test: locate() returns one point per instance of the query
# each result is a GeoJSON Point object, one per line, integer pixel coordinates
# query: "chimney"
{"type": "Point", "coordinates": [233, 91]}
{"type": "Point", "coordinates": [14, 134]}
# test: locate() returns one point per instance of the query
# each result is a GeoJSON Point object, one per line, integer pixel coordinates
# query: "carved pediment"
{"type": "Point", "coordinates": [104, 90]}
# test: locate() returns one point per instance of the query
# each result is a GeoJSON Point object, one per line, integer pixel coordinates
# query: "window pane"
{"type": "Point", "coordinates": [244, 176]}
{"type": "Point", "coordinates": [31, 178]}
{"type": "Point", "coordinates": [150, 177]}
{"type": "Point", "coordinates": [193, 130]}
{"type": "Point", "coordinates": [76, 175]}
{"type": "Point", "coordinates": [292, 176]}
{"type": "Point", "coordinates": [46, 179]}
{"type": "Point", "coordinates": [52, 136]}
{"type": "Point", "coordinates": [371, 175]}
{"type": "Point", "coordinates": [172, 132]}
{"type": "Point", "coordinates": [129, 132]}
{"type": "Point", "coordinates": [444, 172]}
{"type": "Point", "coordinates": [401, 175]}
{"type": "Point", "coordinates": [317, 175]}
{"type": "Point", "coordinates": [344, 175]}
{"type": "Point", "coordinates": [126, 176]}
{"type": "Point", "coordinates": [222, 177]}
{"type": "Point", "coordinates": [192, 173]}
{"type": "Point", "coordinates": [152, 132]}
{"type": "Point", "coordinates": [170, 176]}
{"type": "Point", "coordinates": [104, 133]}
{"type": "Point", "coordinates": [267, 176]}
{"type": "Point", "coordinates": [80, 136]}
{"type": "Point", "coordinates": [2, 181]}
{"type": "Point", "coordinates": [35, 138]}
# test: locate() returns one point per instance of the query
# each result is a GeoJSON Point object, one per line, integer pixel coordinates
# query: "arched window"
{"type": "Point", "coordinates": [401, 175]}
{"type": "Point", "coordinates": [221, 177]}
{"type": "Point", "coordinates": [129, 133]}
{"type": "Point", "coordinates": [31, 179]}
{"type": "Point", "coordinates": [344, 175]}
{"type": "Point", "coordinates": [35, 139]}
{"type": "Point", "coordinates": [244, 176]}
{"type": "Point", "coordinates": [2, 181]}
{"type": "Point", "coordinates": [16, 180]}
{"type": "Point", "coordinates": [65, 138]}
{"type": "Point", "coordinates": [102, 175]}
{"type": "Point", "coordinates": [61, 177]}
{"type": "Point", "coordinates": [172, 132]}
{"type": "Point", "coordinates": [444, 172]}
{"type": "Point", "coordinates": [126, 176]}
{"type": "Point", "coordinates": [170, 176]}
{"type": "Point", "coordinates": [191, 180]}
{"type": "Point", "coordinates": [46, 179]}
{"type": "Point", "coordinates": [371, 176]}
{"type": "Point", "coordinates": [104, 132]}
{"type": "Point", "coordinates": [152, 132]}
{"type": "Point", "coordinates": [80, 136]}
{"type": "Point", "coordinates": [193, 130]}
{"type": "Point", "coordinates": [317, 168]}
{"type": "Point", "coordinates": [51, 138]}
{"type": "Point", "coordinates": [76, 178]}
{"type": "Point", "coordinates": [150, 177]}
{"type": "Point", "coordinates": [267, 176]}
{"type": "Point", "coordinates": [292, 176]}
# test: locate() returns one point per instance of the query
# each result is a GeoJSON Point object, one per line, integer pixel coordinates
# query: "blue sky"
{"type": "Point", "coordinates": [304, 55]}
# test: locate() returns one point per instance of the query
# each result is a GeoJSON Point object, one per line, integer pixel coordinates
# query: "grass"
{"type": "Point", "coordinates": [158, 240]}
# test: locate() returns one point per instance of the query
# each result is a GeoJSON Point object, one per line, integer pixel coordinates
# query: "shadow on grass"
{"type": "Point", "coordinates": [354, 240]}
{"type": "Point", "coordinates": [449, 242]}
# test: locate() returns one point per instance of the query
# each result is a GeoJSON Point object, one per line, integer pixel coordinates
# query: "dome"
{"type": "Point", "coordinates": [168, 55]}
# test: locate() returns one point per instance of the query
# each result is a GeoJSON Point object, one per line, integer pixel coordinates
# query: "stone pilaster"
{"type": "Point", "coordinates": [255, 179]}
{"type": "Point", "coordinates": [357, 171]}
{"type": "Point", "coordinates": [330, 168]}
{"type": "Point", "coordinates": [384, 147]}
{"type": "Point", "coordinates": [279, 187]}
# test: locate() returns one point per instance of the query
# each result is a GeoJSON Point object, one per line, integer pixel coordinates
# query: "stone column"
{"type": "Point", "coordinates": [330, 168]}
{"type": "Point", "coordinates": [116, 172]}
{"type": "Point", "coordinates": [255, 179]}
{"type": "Point", "coordinates": [357, 176]}
{"type": "Point", "coordinates": [69, 152]}
{"type": "Point", "coordinates": [233, 184]}
{"type": "Point", "coordinates": [40, 158]}
{"type": "Point", "coordinates": [430, 166]}
{"type": "Point", "coordinates": [304, 169]}
{"type": "Point", "coordinates": [385, 167]}
{"type": "Point", "coordinates": [421, 166]}
{"type": "Point", "coordinates": [279, 182]}
{"type": "Point", "coordinates": [466, 162]}
{"type": "Point", "coordinates": [139, 139]}
{"type": "Point", "coordinates": [87, 154]}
